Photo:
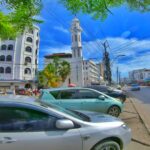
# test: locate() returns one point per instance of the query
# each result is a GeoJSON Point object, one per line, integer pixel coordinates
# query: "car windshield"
{"type": "Point", "coordinates": [70, 112]}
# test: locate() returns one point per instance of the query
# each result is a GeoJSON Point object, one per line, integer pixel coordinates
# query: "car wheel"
{"type": "Point", "coordinates": [114, 111]}
{"type": "Point", "coordinates": [107, 145]}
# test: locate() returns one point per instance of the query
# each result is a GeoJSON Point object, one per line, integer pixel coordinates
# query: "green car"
{"type": "Point", "coordinates": [82, 99]}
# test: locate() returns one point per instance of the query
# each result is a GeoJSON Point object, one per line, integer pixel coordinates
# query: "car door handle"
{"type": "Point", "coordinates": [5, 140]}
{"type": "Point", "coordinates": [86, 137]}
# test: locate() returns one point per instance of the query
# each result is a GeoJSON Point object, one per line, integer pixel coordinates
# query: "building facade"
{"type": "Point", "coordinates": [139, 75]}
{"type": "Point", "coordinates": [19, 60]}
{"type": "Point", "coordinates": [91, 73]}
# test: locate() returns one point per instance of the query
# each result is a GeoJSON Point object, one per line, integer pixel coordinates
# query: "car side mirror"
{"type": "Point", "coordinates": [64, 124]}
{"type": "Point", "coordinates": [101, 97]}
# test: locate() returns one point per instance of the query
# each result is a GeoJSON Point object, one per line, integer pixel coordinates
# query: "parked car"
{"type": "Point", "coordinates": [34, 125]}
{"type": "Point", "coordinates": [20, 91]}
{"type": "Point", "coordinates": [135, 87]}
{"type": "Point", "coordinates": [82, 99]}
{"type": "Point", "coordinates": [116, 93]}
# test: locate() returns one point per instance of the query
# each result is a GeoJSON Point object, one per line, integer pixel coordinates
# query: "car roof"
{"type": "Point", "coordinates": [64, 88]}
{"type": "Point", "coordinates": [17, 100]}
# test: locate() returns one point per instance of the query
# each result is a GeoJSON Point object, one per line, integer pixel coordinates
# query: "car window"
{"type": "Point", "coordinates": [68, 94]}
{"type": "Point", "coordinates": [55, 94]}
{"type": "Point", "coordinates": [25, 120]}
{"type": "Point", "coordinates": [87, 94]}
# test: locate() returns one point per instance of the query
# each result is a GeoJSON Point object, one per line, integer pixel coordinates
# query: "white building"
{"type": "Point", "coordinates": [18, 60]}
{"type": "Point", "coordinates": [82, 72]}
{"type": "Point", "coordinates": [139, 75]}
{"type": "Point", "coordinates": [91, 73]}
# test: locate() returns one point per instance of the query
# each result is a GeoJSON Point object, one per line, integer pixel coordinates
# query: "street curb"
{"type": "Point", "coordinates": [140, 113]}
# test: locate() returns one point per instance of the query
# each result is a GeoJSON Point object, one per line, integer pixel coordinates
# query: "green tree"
{"type": "Point", "coordinates": [54, 74]}
{"type": "Point", "coordinates": [64, 70]}
{"type": "Point", "coordinates": [101, 8]}
{"type": "Point", "coordinates": [21, 14]}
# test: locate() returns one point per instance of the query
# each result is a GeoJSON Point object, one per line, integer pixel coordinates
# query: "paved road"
{"type": "Point", "coordinates": [143, 95]}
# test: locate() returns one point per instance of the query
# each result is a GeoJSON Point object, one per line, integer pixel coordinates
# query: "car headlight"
{"type": "Point", "coordinates": [125, 126]}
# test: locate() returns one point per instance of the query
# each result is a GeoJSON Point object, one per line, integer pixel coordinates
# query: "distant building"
{"type": "Point", "coordinates": [18, 60]}
{"type": "Point", "coordinates": [82, 72]}
{"type": "Point", "coordinates": [139, 75]}
{"type": "Point", "coordinates": [91, 73]}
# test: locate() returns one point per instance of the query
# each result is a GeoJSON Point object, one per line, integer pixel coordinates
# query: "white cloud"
{"type": "Point", "coordinates": [131, 48]}
{"type": "Point", "coordinates": [61, 29]}
{"type": "Point", "coordinates": [126, 34]}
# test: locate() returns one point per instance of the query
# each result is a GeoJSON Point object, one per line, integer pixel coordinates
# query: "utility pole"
{"type": "Point", "coordinates": [117, 75]}
{"type": "Point", "coordinates": [106, 62]}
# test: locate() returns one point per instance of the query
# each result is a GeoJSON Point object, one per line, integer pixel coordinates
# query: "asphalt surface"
{"type": "Point", "coordinates": [143, 95]}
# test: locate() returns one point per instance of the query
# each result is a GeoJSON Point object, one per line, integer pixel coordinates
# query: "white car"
{"type": "Point", "coordinates": [31, 125]}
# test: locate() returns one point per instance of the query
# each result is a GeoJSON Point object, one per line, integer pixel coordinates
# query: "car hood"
{"type": "Point", "coordinates": [96, 117]}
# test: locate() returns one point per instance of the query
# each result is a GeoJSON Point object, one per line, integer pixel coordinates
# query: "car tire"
{"type": "Point", "coordinates": [112, 145]}
{"type": "Point", "coordinates": [114, 111]}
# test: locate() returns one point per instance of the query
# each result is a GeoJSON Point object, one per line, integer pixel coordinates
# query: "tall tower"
{"type": "Point", "coordinates": [77, 75]}
{"type": "Point", "coordinates": [76, 38]}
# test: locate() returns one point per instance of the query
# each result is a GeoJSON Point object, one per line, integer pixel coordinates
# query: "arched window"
{"type": "Point", "coordinates": [9, 58]}
{"type": "Point", "coordinates": [36, 52]}
{"type": "Point", "coordinates": [27, 71]}
{"type": "Point", "coordinates": [29, 39]}
{"type": "Point", "coordinates": [36, 61]}
{"type": "Point", "coordinates": [28, 49]}
{"type": "Point", "coordinates": [1, 70]}
{"type": "Point", "coordinates": [3, 47]}
{"type": "Point", "coordinates": [27, 60]}
{"type": "Point", "coordinates": [8, 70]}
{"type": "Point", "coordinates": [37, 42]}
{"type": "Point", "coordinates": [10, 47]}
{"type": "Point", "coordinates": [2, 58]}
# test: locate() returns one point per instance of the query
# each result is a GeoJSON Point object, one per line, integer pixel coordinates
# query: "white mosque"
{"type": "Point", "coordinates": [83, 72]}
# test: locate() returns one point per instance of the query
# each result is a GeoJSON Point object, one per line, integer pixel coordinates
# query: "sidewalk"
{"type": "Point", "coordinates": [143, 111]}
{"type": "Point", "coordinates": [140, 134]}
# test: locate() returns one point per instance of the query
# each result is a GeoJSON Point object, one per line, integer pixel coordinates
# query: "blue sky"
{"type": "Point", "coordinates": [128, 33]}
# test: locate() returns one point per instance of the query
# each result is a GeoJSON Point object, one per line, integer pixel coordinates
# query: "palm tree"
{"type": "Point", "coordinates": [52, 78]}
{"type": "Point", "coordinates": [54, 73]}
{"type": "Point", "coordinates": [64, 70]}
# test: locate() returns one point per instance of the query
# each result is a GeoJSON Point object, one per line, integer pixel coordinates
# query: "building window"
{"type": "Point", "coordinates": [1, 70]}
{"type": "Point", "coordinates": [28, 49]}
{"type": "Point", "coordinates": [27, 60]}
{"type": "Point", "coordinates": [76, 38]}
{"type": "Point", "coordinates": [8, 70]}
{"type": "Point", "coordinates": [30, 31]}
{"type": "Point", "coordinates": [37, 42]}
{"type": "Point", "coordinates": [36, 52]}
{"type": "Point", "coordinates": [29, 39]}
{"type": "Point", "coordinates": [2, 58]}
{"type": "Point", "coordinates": [9, 58]}
{"type": "Point", "coordinates": [36, 61]}
{"type": "Point", "coordinates": [10, 47]}
{"type": "Point", "coordinates": [27, 71]}
{"type": "Point", "coordinates": [3, 47]}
